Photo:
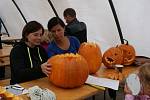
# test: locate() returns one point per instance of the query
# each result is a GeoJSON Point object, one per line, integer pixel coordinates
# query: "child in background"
{"type": "Point", "coordinates": [144, 77]}
{"type": "Point", "coordinates": [46, 39]}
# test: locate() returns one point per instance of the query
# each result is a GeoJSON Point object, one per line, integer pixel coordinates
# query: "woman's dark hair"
{"type": "Point", "coordinates": [31, 27]}
{"type": "Point", "coordinates": [69, 11]}
{"type": "Point", "coordinates": [55, 21]}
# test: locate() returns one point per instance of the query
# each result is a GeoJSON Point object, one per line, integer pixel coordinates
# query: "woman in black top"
{"type": "Point", "coordinates": [28, 58]}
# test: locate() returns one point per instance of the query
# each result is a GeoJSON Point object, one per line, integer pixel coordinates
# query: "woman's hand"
{"type": "Point", "coordinates": [46, 68]}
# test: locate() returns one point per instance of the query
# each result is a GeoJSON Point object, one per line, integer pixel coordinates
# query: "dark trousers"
{"type": "Point", "coordinates": [2, 73]}
{"type": "Point", "coordinates": [112, 94]}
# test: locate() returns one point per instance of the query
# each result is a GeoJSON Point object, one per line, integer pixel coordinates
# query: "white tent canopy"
{"type": "Point", "coordinates": [133, 16]}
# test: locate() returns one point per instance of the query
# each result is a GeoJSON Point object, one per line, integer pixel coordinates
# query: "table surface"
{"type": "Point", "coordinates": [11, 38]}
{"type": "Point", "coordinates": [103, 72]}
{"type": "Point", "coordinates": [79, 93]}
{"type": "Point", "coordinates": [5, 51]}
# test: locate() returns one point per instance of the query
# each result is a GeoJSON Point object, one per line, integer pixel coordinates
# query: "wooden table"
{"type": "Point", "coordinates": [5, 51]}
{"type": "Point", "coordinates": [103, 72]}
{"type": "Point", "coordinates": [80, 93]}
{"type": "Point", "coordinates": [4, 55]}
{"type": "Point", "coordinates": [11, 38]}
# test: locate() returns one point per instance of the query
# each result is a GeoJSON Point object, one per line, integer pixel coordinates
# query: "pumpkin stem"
{"type": "Point", "coordinates": [126, 41]}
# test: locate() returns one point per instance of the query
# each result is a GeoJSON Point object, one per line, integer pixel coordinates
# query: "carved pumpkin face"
{"type": "Point", "coordinates": [128, 53]}
{"type": "Point", "coordinates": [92, 53]}
{"type": "Point", "coordinates": [68, 70]}
{"type": "Point", "coordinates": [112, 56]}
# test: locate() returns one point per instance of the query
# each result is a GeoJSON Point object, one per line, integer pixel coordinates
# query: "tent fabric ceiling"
{"type": "Point", "coordinates": [133, 16]}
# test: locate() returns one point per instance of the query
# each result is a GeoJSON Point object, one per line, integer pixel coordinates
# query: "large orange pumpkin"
{"type": "Point", "coordinates": [128, 53]}
{"type": "Point", "coordinates": [68, 70]}
{"type": "Point", "coordinates": [92, 53]}
{"type": "Point", "coordinates": [112, 56]}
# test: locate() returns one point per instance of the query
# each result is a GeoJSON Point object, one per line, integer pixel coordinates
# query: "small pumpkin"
{"type": "Point", "coordinates": [112, 56]}
{"type": "Point", "coordinates": [5, 95]}
{"type": "Point", "coordinates": [8, 95]}
{"type": "Point", "coordinates": [92, 53]}
{"type": "Point", "coordinates": [128, 53]}
{"type": "Point", "coordinates": [68, 70]}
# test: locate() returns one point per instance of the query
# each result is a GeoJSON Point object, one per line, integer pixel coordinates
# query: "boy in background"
{"type": "Point", "coordinates": [74, 27]}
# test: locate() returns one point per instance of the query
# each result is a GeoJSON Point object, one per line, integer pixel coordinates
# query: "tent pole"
{"type": "Point", "coordinates": [51, 4]}
{"type": "Point", "coordinates": [116, 20]}
{"type": "Point", "coordinates": [1, 22]}
{"type": "Point", "coordinates": [19, 11]}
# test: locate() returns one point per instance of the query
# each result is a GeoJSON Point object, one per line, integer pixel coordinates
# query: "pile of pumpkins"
{"type": "Point", "coordinates": [123, 54]}
{"type": "Point", "coordinates": [72, 70]}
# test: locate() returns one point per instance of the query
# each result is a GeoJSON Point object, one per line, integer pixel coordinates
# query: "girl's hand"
{"type": "Point", "coordinates": [127, 90]}
{"type": "Point", "coordinates": [46, 68]}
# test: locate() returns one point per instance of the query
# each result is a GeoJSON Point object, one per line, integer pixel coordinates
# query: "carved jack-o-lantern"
{"type": "Point", "coordinates": [112, 56]}
{"type": "Point", "coordinates": [128, 53]}
{"type": "Point", "coordinates": [92, 53]}
{"type": "Point", "coordinates": [68, 70]}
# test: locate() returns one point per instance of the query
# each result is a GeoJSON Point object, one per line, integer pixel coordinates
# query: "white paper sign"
{"type": "Point", "coordinates": [109, 83]}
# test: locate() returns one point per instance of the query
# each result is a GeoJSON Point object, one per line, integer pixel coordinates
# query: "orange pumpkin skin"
{"type": "Point", "coordinates": [112, 56]}
{"type": "Point", "coordinates": [68, 70]}
{"type": "Point", "coordinates": [128, 53]}
{"type": "Point", "coordinates": [115, 76]}
{"type": "Point", "coordinates": [92, 53]}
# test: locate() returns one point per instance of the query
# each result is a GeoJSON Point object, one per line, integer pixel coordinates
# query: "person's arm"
{"type": "Point", "coordinates": [84, 32]}
{"type": "Point", "coordinates": [21, 71]}
{"type": "Point", "coordinates": [127, 90]}
{"type": "Point", "coordinates": [46, 68]}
